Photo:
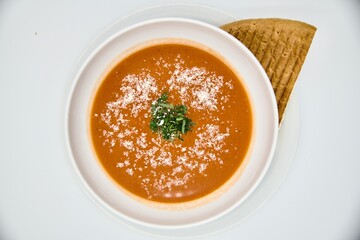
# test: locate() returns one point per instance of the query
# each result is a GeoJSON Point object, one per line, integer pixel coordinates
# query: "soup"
{"type": "Point", "coordinates": [141, 161]}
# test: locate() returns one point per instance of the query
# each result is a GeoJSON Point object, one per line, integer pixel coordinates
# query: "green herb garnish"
{"type": "Point", "coordinates": [169, 120]}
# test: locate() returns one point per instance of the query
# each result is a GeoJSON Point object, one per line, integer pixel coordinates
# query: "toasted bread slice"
{"type": "Point", "coordinates": [280, 45]}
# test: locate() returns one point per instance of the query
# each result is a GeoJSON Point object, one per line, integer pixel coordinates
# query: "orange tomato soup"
{"type": "Point", "coordinates": [143, 163]}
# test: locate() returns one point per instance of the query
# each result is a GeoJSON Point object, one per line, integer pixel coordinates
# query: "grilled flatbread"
{"type": "Point", "coordinates": [280, 45]}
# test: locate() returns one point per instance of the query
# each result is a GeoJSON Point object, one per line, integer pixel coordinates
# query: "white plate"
{"type": "Point", "coordinates": [102, 197]}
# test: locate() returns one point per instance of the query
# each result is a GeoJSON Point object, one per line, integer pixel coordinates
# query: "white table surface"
{"type": "Point", "coordinates": [40, 196]}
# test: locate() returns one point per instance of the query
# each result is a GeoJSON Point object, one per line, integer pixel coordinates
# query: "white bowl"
{"type": "Point", "coordinates": [96, 181]}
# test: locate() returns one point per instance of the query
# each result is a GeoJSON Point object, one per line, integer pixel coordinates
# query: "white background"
{"type": "Point", "coordinates": [41, 197]}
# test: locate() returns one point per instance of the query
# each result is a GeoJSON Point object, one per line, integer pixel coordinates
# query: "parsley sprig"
{"type": "Point", "coordinates": [169, 120]}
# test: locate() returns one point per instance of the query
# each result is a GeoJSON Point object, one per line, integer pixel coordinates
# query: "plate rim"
{"type": "Point", "coordinates": [114, 24]}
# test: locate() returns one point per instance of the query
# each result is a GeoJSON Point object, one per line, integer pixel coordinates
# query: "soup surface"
{"type": "Point", "coordinates": [141, 161]}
